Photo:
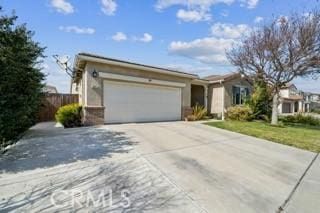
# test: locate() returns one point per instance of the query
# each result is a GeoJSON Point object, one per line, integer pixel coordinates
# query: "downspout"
{"type": "Point", "coordinates": [206, 96]}
{"type": "Point", "coordinates": [71, 85]}
{"type": "Point", "coordinates": [222, 104]}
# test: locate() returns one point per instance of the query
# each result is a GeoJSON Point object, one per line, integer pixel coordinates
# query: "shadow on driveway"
{"type": "Point", "coordinates": [46, 146]}
{"type": "Point", "coordinates": [145, 189]}
{"type": "Point", "coordinates": [100, 182]}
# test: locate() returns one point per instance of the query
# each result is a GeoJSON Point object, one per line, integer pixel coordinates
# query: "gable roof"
{"type": "Point", "coordinates": [221, 78]}
{"type": "Point", "coordinates": [288, 85]}
{"type": "Point", "coordinates": [83, 57]}
{"type": "Point", "coordinates": [49, 89]}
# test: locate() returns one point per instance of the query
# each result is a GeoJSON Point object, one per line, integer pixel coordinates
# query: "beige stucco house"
{"type": "Point", "coordinates": [311, 100]}
{"type": "Point", "coordinates": [116, 91]}
{"type": "Point", "coordinates": [292, 100]}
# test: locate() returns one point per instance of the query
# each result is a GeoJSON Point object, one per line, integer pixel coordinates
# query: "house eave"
{"type": "Point", "coordinates": [82, 58]}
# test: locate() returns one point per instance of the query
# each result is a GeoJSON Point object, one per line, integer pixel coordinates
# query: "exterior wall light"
{"type": "Point", "coordinates": [95, 74]}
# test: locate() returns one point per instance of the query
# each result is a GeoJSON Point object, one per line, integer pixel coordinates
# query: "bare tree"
{"type": "Point", "coordinates": [279, 52]}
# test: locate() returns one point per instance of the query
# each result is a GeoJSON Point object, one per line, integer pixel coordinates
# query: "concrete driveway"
{"type": "Point", "coordinates": [155, 167]}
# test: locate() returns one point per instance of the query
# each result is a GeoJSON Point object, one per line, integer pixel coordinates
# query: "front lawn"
{"type": "Point", "coordinates": [304, 137]}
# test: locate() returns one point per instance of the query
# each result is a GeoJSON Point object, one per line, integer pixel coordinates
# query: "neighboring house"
{"type": "Point", "coordinates": [226, 91]}
{"type": "Point", "coordinates": [50, 89]}
{"type": "Point", "coordinates": [312, 101]}
{"type": "Point", "coordinates": [116, 91]}
{"type": "Point", "coordinates": [292, 100]}
{"type": "Point", "coordinates": [315, 97]}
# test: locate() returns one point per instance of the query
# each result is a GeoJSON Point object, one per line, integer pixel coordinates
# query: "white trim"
{"type": "Point", "coordinates": [85, 73]}
{"type": "Point", "coordinates": [223, 99]}
{"type": "Point", "coordinates": [140, 80]}
{"type": "Point", "coordinates": [200, 82]}
{"type": "Point", "coordinates": [135, 66]}
{"type": "Point", "coordinates": [206, 97]}
{"type": "Point", "coordinates": [214, 82]}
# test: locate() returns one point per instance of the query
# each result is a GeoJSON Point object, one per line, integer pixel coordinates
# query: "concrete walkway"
{"type": "Point", "coordinates": [154, 167]}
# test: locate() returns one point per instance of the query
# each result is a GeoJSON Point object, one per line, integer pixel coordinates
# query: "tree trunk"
{"type": "Point", "coordinates": [275, 104]}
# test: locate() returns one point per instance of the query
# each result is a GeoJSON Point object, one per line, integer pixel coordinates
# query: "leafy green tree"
{"type": "Point", "coordinates": [20, 78]}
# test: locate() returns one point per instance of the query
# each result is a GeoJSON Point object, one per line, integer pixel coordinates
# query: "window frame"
{"type": "Point", "coordinates": [242, 100]}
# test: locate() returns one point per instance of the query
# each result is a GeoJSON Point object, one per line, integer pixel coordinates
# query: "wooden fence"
{"type": "Point", "coordinates": [52, 102]}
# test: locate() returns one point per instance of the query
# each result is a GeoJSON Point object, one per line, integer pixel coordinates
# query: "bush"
{"type": "Point", "coordinates": [260, 101]}
{"type": "Point", "coordinates": [239, 113]}
{"type": "Point", "coordinates": [301, 119]}
{"type": "Point", "coordinates": [69, 115]}
{"type": "Point", "coordinates": [316, 110]}
{"type": "Point", "coordinates": [198, 113]}
{"type": "Point", "coordinates": [20, 81]}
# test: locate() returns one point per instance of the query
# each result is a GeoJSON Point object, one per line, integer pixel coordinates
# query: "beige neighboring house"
{"type": "Point", "coordinates": [50, 89]}
{"type": "Point", "coordinates": [292, 100]}
{"type": "Point", "coordinates": [312, 101]}
{"type": "Point", "coordinates": [226, 91]}
{"type": "Point", "coordinates": [117, 91]}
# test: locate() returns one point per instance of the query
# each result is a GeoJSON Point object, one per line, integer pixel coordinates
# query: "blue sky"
{"type": "Point", "coordinates": [190, 35]}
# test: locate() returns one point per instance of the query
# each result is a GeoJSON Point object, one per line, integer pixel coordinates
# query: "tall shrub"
{"type": "Point", "coordinates": [260, 100]}
{"type": "Point", "coordinates": [20, 78]}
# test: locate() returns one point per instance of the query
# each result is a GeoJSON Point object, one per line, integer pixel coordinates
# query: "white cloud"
{"type": "Point", "coordinates": [199, 10]}
{"type": "Point", "coordinates": [119, 36]}
{"type": "Point", "coordinates": [196, 10]}
{"type": "Point", "coordinates": [77, 30]}
{"type": "Point", "coordinates": [258, 19]}
{"type": "Point", "coordinates": [209, 50]}
{"type": "Point", "coordinates": [145, 38]}
{"type": "Point", "coordinates": [250, 4]}
{"type": "Point", "coordinates": [191, 4]}
{"type": "Point", "coordinates": [193, 15]}
{"type": "Point", "coordinates": [229, 30]}
{"type": "Point", "coordinates": [109, 7]}
{"type": "Point", "coordinates": [62, 6]}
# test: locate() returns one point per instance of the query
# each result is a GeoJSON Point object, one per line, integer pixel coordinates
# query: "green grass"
{"type": "Point", "coordinates": [300, 136]}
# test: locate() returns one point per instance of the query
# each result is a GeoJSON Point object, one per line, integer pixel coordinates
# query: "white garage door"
{"type": "Point", "coordinates": [131, 102]}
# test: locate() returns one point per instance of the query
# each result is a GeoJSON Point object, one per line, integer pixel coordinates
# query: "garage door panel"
{"type": "Point", "coordinates": [130, 102]}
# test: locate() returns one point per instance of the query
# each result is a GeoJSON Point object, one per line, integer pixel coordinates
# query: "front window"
{"type": "Point", "coordinates": [239, 95]}
{"type": "Point", "coordinates": [293, 92]}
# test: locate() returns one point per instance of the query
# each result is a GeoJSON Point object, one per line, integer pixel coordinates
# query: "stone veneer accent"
{"type": "Point", "coordinates": [186, 111]}
{"type": "Point", "coordinates": [93, 115]}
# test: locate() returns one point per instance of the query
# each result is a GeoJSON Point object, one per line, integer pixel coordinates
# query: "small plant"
{"type": "Point", "coordinates": [240, 113]}
{"type": "Point", "coordinates": [191, 118]}
{"type": "Point", "coordinates": [301, 119]}
{"type": "Point", "coordinates": [198, 113]}
{"type": "Point", "coordinates": [69, 115]}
